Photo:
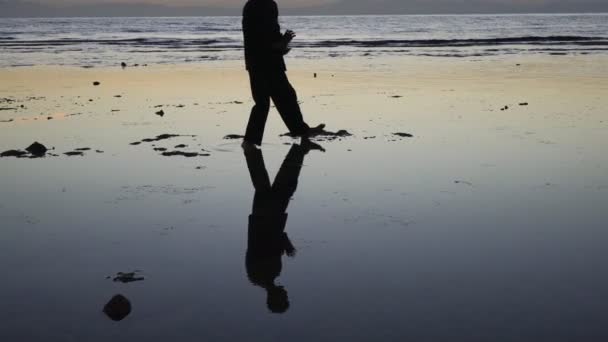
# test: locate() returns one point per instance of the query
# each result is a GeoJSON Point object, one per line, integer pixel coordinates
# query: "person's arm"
{"type": "Point", "coordinates": [279, 41]}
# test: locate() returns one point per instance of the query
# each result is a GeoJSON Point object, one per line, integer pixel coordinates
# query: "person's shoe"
{"type": "Point", "coordinates": [248, 146]}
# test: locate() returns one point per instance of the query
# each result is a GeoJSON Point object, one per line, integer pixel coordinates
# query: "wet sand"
{"type": "Point", "coordinates": [468, 204]}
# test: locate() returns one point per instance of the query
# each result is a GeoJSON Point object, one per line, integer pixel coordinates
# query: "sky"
{"type": "Point", "coordinates": [55, 8]}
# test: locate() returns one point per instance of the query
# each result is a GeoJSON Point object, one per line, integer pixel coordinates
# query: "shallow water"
{"type": "Point", "coordinates": [483, 226]}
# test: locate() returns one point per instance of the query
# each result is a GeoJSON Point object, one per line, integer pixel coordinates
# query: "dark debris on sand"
{"type": "Point", "coordinates": [403, 135]}
{"type": "Point", "coordinates": [14, 153]}
{"type": "Point", "coordinates": [161, 137]}
{"type": "Point", "coordinates": [128, 277]}
{"type": "Point", "coordinates": [160, 113]}
{"type": "Point", "coordinates": [184, 154]}
{"type": "Point", "coordinates": [323, 135]}
{"type": "Point", "coordinates": [74, 154]}
{"type": "Point", "coordinates": [234, 137]}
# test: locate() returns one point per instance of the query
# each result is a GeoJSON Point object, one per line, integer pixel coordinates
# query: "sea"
{"type": "Point", "coordinates": [110, 41]}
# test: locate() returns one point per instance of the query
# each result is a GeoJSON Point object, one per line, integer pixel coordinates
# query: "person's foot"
{"type": "Point", "coordinates": [248, 146]}
{"type": "Point", "coordinates": [308, 146]}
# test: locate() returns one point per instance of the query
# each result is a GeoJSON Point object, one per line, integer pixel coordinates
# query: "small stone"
{"type": "Point", "coordinates": [37, 149]}
{"type": "Point", "coordinates": [118, 308]}
{"type": "Point", "coordinates": [96, 83]}
{"type": "Point", "coordinates": [123, 65]}
{"type": "Point", "coordinates": [160, 113]}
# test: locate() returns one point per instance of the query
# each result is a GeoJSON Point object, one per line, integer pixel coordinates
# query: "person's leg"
{"type": "Point", "coordinates": [260, 90]}
{"type": "Point", "coordinates": [286, 100]}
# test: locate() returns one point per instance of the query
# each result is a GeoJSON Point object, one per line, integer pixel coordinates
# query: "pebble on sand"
{"type": "Point", "coordinates": [160, 113]}
{"type": "Point", "coordinates": [96, 83]}
{"type": "Point", "coordinates": [118, 308]}
{"type": "Point", "coordinates": [37, 149]}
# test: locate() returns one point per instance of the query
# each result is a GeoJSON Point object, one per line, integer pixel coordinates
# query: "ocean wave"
{"type": "Point", "coordinates": [531, 40]}
{"type": "Point", "coordinates": [231, 43]}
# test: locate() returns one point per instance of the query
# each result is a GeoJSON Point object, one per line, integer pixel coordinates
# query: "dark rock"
{"type": "Point", "coordinates": [99, 151]}
{"type": "Point", "coordinates": [160, 149]}
{"type": "Point", "coordinates": [118, 308]}
{"type": "Point", "coordinates": [83, 149]}
{"type": "Point", "coordinates": [118, 96]}
{"type": "Point", "coordinates": [96, 83]}
{"type": "Point", "coordinates": [9, 120]}
{"type": "Point", "coordinates": [13, 153]}
{"type": "Point", "coordinates": [403, 135]}
{"type": "Point", "coordinates": [74, 154]}
{"type": "Point", "coordinates": [135, 143]}
{"type": "Point", "coordinates": [234, 137]}
{"type": "Point", "coordinates": [181, 146]}
{"type": "Point", "coordinates": [523, 104]}
{"type": "Point", "coordinates": [396, 96]}
{"type": "Point", "coordinates": [49, 118]}
{"type": "Point", "coordinates": [160, 113]}
{"type": "Point", "coordinates": [37, 149]}
{"type": "Point", "coordinates": [123, 65]}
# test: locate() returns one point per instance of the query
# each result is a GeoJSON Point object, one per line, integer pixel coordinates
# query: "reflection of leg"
{"type": "Point", "coordinates": [257, 170]}
{"type": "Point", "coordinates": [286, 100]}
{"type": "Point", "coordinates": [286, 181]}
{"type": "Point", "coordinates": [260, 89]}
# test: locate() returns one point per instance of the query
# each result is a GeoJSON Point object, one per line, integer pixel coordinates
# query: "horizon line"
{"type": "Point", "coordinates": [316, 15]}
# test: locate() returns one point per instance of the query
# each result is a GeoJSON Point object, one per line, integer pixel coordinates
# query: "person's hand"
{"type": "Point", "coordinates": [286, 50]}
{"type": "Point", "coordinates": [289, 35]}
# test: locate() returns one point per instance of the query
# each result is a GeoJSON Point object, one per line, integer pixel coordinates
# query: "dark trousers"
{"type": "Point", "coordinates": [273, 84]}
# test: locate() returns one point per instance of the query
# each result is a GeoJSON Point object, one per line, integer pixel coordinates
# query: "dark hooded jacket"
{"type": "Point", "coordinates": [261, 30]}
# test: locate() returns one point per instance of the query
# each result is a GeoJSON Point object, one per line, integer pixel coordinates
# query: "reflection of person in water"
{"type": "Point", "coordinates": [267, 241]}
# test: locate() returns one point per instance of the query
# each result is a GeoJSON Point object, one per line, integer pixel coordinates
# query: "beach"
{"type": "Point", "coordinates": [467, 203]}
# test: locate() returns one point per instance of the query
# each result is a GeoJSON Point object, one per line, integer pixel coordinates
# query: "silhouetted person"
{"type": "Point", "coordinates": [267, 241]}
{"type": "Point", "coordinates": [265, 46]}
{"type": "Point", "coordinates": [118, 308]}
